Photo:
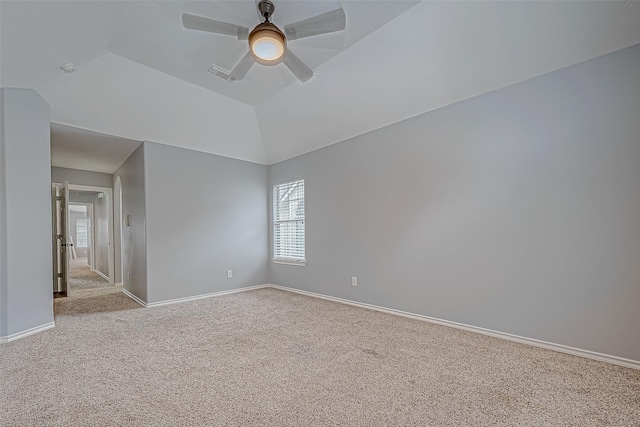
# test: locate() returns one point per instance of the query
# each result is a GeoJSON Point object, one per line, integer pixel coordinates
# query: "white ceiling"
{"type": "Point", "coordinates": [82, 149]}
{"type": "Point", "coordinates": [141, 76]}
{"type": "Point", "coordinates": [168, 47]}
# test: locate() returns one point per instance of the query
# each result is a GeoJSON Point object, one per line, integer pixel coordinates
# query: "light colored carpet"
{"type": "Point", "coordinates": [274, 358]}
{"type": "Point", "coordinates": [90, 293]}
{"type": "Point", "coordinates": [93, 300]}
{"type": "Point", "coordinates": [81, 276]}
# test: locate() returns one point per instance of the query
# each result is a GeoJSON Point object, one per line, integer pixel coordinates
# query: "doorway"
{"type": "Point", "coordinates": [83, 240]}
{"type": "Point", "coordinates": [82, 273]}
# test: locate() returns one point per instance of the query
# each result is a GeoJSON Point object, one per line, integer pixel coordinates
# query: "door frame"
{"type": "Point", "coordinates": [118, 230]}
{"type": "Point", "coordinates": [110, 251]}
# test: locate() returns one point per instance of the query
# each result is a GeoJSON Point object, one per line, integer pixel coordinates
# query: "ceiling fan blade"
{"type": "Point", "coordinates": [243, 67]}
{"type": "Point", "coordinates": [328, 22]}
{"type": "Point", "coordinates": [297, 67]}
{"type": "Point", "coordinates": [200, 23]}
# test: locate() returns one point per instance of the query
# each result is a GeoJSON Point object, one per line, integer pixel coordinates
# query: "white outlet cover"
{"type": "Point", "coordinates": [354, 281]}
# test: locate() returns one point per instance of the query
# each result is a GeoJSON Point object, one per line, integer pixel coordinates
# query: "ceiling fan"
{"type": "Point", "coordinates": [267, 44]}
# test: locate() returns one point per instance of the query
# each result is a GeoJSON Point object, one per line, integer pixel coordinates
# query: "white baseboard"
{"type": "Point", "coordinates": [193, 298]}
{"type": "Point", "coordinates": [27, 332]}
{"type": "Point", "coordinates": [213, 294]}
{"type": "Point", "coordinates": [133, 297]}
{"type": "Point", "coordinates": [99, 273]}
{"type": "Point", "coordinates": [628, 363]}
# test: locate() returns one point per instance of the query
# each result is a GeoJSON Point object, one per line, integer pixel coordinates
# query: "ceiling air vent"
{"type": "Point", "coordinates": [221, 73]}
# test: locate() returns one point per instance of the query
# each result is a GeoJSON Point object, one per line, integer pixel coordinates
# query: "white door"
{"type": "Point", "coordinates": [61, 241]}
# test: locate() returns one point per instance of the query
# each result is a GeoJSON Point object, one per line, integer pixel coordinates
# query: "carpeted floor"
{"type": "Point", "coordinates": [81, 276]}
{"type": "Point", "coordinates": [90, 293]}
{"type": "Point", "coordinates": [274, 358]}
{"type": "Point", "coordinates": [107, 298]}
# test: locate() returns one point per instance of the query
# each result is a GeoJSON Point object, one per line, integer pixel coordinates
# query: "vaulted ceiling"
{"type": "Point", "coordinates": [141, 75]}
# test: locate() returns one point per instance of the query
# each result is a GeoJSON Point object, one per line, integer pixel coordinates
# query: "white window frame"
{"type": "Point", "coordinates": [280, 259]}
{"type": "Point", "coordinates": [86, 233]}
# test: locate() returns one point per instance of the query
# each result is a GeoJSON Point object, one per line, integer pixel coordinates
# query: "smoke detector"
{"type": "Point", "coordinates": [69, 67]}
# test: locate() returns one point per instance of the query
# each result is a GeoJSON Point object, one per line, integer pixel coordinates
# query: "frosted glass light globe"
{"type": "Point", "coordinates": [268, 48]}
{"type": "Point", "coordinates": [267, 43]}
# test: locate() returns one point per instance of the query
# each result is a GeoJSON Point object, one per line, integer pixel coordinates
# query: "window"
{"type": "Point", "coordinates": [288, 222]}
{"type": "Point", "coordinates": [81, 233]}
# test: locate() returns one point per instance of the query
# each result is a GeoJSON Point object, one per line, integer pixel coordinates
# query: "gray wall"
{"type": "Point", "coordinates": [80, 177]}
{"type": "Point", "coordinates": [4, 305]}
{"type": "Point", "coordinates": [206, 214]}
{"type": "Point", "coordinates": [76, 196]}
{"type": "Point", "coordinates": [517, 210]}
{"type": "Point", "coordinates": [26, 300]}
{"type": "Point", "coordinates": [134, 244]}
{"type": "Point", "coordinates": [101, 227]}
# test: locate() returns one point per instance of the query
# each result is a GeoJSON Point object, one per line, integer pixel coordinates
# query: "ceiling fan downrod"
{"type": "Point", "coordinates": [266, 9]}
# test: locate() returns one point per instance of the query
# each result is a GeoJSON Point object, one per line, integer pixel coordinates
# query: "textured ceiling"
{"type": "Point", "coordinates": [141, 75]}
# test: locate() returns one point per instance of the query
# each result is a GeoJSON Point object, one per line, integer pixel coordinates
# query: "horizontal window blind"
{"type": "Point", "coordinates": [81, 233]}
{"type": "Point", "coordinates": [288, 220]}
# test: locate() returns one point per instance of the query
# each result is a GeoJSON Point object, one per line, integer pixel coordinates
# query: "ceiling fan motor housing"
{"type": "Point", "coordinates": [270, 31]}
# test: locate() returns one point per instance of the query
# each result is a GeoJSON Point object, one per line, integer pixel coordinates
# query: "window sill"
{"type": "Point", "coordinates": [301, 263]}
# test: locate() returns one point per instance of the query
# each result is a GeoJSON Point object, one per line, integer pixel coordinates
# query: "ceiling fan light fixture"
{"type": "Point", "coordinates": [267, 43]}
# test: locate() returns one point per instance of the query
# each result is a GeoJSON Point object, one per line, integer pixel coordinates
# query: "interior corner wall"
{"type": "Point", "coordinates": [26, 282]}
{"type": "Point", "coordinates": [134, 235]}
{"type": "Point", "coordinates": [81, 177]}
{"type": "Point", "coordinates": [206, 214]}
{"type": "Point", "coordinates": [516, 211]}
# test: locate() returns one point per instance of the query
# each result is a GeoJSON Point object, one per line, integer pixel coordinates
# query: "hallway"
{"type": "Point", "coordinates": [81, 277]}
{"type": "Point", "coordinates": [90, 293]}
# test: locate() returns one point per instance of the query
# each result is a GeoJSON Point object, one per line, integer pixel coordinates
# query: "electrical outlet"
{"type": "Point", "coordinates": [128, 275]}
{"type": "Point", "coordinates": [229, 274]}
{"type": "Point", "coordinates": [354, 281]}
